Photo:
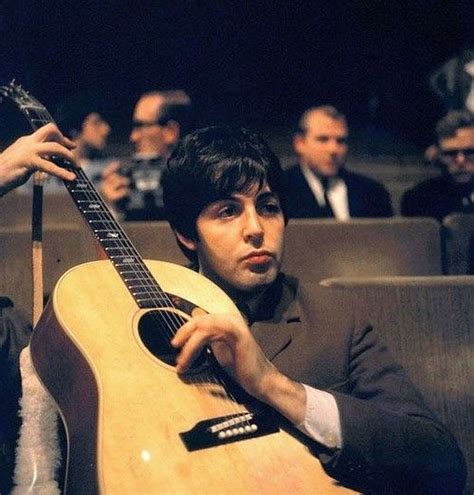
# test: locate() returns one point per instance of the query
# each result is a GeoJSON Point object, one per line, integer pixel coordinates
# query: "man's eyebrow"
{"type": "Point", "coordinates": [267, 195]}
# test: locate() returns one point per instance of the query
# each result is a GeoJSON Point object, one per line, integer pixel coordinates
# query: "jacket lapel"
{"type": "Point", "coordinates": [275, 334]}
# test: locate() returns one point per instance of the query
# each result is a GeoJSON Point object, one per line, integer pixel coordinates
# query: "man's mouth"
{"type": "Point", "coordinates": [259, 258]}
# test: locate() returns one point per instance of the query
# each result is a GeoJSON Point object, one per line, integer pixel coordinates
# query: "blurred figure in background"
{"type": "Point", "coordinates": [453, 190]}
{"type": "Point", "coordinates": [319, 186]}
{"type": "Point", "coordinates": [134, 190]}
{"type": "Point", "coordinates": [82, 118]}
{"type": "Point", "coordinates": [453, 82]}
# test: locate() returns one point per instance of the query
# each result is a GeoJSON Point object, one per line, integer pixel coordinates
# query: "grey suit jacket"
{"type": "Point", "coordinates": [391, 441]}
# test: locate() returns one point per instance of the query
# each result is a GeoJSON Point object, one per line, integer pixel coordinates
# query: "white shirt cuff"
{"type": "Point", "coordinates": [322, 422]}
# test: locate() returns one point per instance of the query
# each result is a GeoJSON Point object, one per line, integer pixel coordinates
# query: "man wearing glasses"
{"type": "Point", "coordinates": [133, 190]}
{"type": "Point", "coordinates": [453, 190]}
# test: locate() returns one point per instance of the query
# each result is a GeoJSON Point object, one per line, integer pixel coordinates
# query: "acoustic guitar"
{"type": "Point", "coordinates": [133, 425]}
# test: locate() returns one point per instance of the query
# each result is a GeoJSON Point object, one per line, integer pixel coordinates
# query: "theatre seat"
{"type": "Point", "coordinates": [428, 323]}
{"type": "Point", "coordinates": [155, 240]}
{"type": "Point", "coordinates": [458, 244]}
{"type": "Point", "coordinates": [64, 246]}
{"type": "Point", "coordinates": [317, 249]}
{"type": "Point", "coordinates": [58, 208]}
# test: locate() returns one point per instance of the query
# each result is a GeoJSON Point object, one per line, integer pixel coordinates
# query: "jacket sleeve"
{"type": "Point", "coordinates": [390, 440]}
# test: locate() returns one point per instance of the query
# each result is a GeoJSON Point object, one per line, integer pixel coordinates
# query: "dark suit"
{"type": "Point", "coordinates": [366, 197]}
{"type": "Point", "coordinates": [391, 441]}
{"type": "Point", "coordinates": [438, 197]}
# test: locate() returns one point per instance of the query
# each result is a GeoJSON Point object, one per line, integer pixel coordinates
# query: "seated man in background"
{"type": "Point", "coordinates": [134, 191]}
{"type": "Point", "coordinates": [332, 379]}
{"type": "Point", "coordinates": [319, 186]}
{"type": "Point", "coordinates": [453, 190]}
{"type": "Point", "coordinates": [82, 118]}
{"type": "Point", "coordinates": [17, 163]}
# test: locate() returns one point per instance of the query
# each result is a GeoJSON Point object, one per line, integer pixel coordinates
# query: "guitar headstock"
{"type": "Point", "coordinates": [34, 111]}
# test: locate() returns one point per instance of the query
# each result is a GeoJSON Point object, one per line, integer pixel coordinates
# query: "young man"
{"type": "Point", "coordinates": [225, 199]}
{"type": "Point", "coordinates": [320, 186]}
{"type": "Point", "coordinates": [453, 190]}
{"type": "Point", "coordinates": [159, 119]}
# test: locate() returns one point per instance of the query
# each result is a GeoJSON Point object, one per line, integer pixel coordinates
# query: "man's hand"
{"type": "Point", "coordinates": [114, 186]}
{"type": "Point", "coordinates": [30, 153]}
{"type": "Point", "coordinates": [238, 353]}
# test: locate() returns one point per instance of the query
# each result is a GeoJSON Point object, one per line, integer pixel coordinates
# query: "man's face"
{"type": "Point", "coordinates": [457, 153]}
{"type": "Point", "coordinates": [240, 241]}
{"type": "Point", "coordinates": [147, 135]}
{"type": "Point", "coordinates": [95, 131]}
{"type": "Point", "coordinates": [323, 147]}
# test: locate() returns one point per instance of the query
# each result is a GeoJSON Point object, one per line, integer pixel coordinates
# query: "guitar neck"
{"type": "Point", "coordinates": [109, 234]}
{"type": "Point", "coordinates": [116, 244]}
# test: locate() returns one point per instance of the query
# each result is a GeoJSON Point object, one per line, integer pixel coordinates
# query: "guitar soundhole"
{"type": "Point", "coordinates": [156, 329]}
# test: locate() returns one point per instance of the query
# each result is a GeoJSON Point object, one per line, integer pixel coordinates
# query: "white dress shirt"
{"type": "Point", "coordinates": [336, 193]}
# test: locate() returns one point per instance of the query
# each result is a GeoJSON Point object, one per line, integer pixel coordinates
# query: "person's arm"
{"type": "Point", "coordinates": [30, 153]}
{"type": "Point", "coordinates": [390, 439]}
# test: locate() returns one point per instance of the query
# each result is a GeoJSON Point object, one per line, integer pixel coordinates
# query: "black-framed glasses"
{"type": "Point", "coordinates": [141, 124]}
{"type": "Point", "coordinates": [468, 153]}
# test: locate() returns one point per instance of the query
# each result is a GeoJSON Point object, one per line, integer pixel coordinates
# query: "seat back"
{"type": "Point", "coordinates": [64, 246]}
{"type": "Point", "coordinates": [58, 208]}
{"type": "Point", "coordinates": [155, 240]}
{"type": "Point", "coordinates": [458, 244]}
{"type": "Point", "coordinates": [428, 325]}
{"type": "Point", "coordinates": [317, 249]}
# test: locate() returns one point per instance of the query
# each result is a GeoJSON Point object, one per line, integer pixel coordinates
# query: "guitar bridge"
{"type": "Point", "coordinates": [228, 429]}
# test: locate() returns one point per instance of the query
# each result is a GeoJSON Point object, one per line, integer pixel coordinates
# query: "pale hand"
{"type": "Point", "coordinates": [30, 153]}
{"type": "Point", "coordinates": [238, 353]}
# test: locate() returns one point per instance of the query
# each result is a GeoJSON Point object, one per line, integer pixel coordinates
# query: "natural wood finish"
{"type": "Point", "coordinates": [141, 404]}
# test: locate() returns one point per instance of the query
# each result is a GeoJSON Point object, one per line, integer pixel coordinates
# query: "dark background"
{"type": "Point", "coordinates": [258, 63]}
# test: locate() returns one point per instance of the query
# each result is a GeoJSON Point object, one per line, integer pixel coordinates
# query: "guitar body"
{"type": "Point", "coordinates": [124, 408]}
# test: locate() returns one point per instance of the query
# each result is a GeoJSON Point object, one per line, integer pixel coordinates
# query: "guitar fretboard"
{"type": "Point", "coordinates": [116, 244]}
{"type": "Point", "coordinates": [110, 235]}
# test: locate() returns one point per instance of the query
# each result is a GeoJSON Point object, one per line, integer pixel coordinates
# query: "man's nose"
{"type": "Point", "coordinates": [253, 229]}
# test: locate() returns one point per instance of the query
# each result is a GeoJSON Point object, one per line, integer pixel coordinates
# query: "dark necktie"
{"type": "Point", "coordinates": [328, 212]}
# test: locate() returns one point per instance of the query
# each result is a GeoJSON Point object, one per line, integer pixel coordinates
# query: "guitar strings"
{"type": "Point", "coordinates": [173, 320]}
{"type": "Point", "coordinates": [141, 273]}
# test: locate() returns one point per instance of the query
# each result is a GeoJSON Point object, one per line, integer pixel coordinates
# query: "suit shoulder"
{"type": "Point", "coordinates": [433, 184]}
{"type": "Point", "coordinates": [364, 181]}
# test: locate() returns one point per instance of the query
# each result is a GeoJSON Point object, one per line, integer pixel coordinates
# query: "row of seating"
{"type": "Point", "coordinates": [428, 325]}
{"type": "Point", "coordinates": [456, 232]}
{"type": "Point", "coordinates": [315, 249]}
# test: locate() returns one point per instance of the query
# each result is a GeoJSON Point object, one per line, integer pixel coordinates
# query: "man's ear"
{"type": "Point", "coordinates": [185, 241]}
{"type": "Point", "coordinates": [171, 133]}
{"type": "Point", "coordinates": [298, 143]}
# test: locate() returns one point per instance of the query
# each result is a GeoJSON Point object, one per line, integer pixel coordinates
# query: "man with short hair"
{"type": "Point", "coordinates": [160, 118]}
{"type": "Point", "coordinates": [295, 350]}
{"type": "Point", "coordinates": [320, 186]}
{"type": "Point", "coordinates": [453, 190]}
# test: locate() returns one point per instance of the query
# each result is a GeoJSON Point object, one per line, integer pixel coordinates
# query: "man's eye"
{"type": "Point", "coordinates": [270, 208]}
{"type": "Point", "coordinates": [227, 211]}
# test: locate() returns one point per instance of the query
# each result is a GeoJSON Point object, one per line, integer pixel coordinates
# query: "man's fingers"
{"type": "Point", "coordinates": [56, 149]}
{"type": "Point", "coordinates": [48, 167]}
{"type": "Point", "coordinates": [50, 132]}
{"type": "Point", "coordinates": [190, 351]}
